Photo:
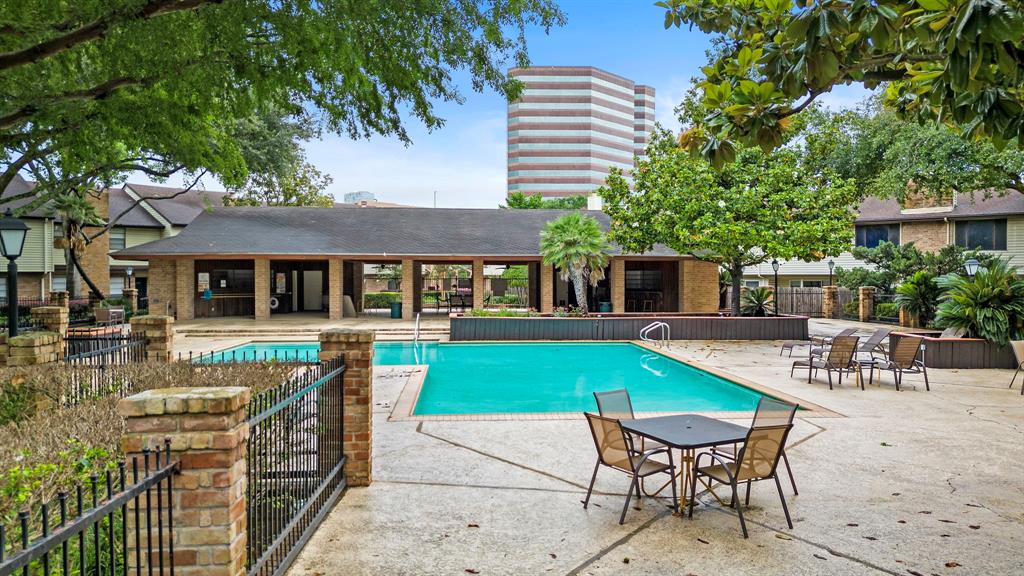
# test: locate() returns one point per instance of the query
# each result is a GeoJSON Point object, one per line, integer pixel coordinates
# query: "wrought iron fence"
{"type": "Point", "coordinates": [107, 527]}
{"type": "Point", "coordinates": [104, 348]}
{"type": "Point", "coordinates": [304, 356]}
{"type": "Point", "coordinates": [296, 463]}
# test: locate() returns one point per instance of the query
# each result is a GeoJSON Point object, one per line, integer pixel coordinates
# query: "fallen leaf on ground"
{"type": "Point", "coordinates": [625, 560]}
{"type": "Point", "coordinates": [887, 444]}
{"type": "Point", "coordinates": [471, 571]}
{"type": "Point", "coordinates": [947, 521]}
{"type": "Point", "coordinates": [914, 572]}
{"type": "Point", "coordinates": [852, 524]}
{"type": "Point", "coordinates": [782, 536]}
{"type": "Point", "coordinates": [901, 521]}
{"type": "Point", "coordinates": [702, 541]}
{"type": "Point", "coordinates": [870, 538]}
{"type": "Point", "coordinates": [820, 557]}
{"type": "Point", "coordinates": [473, 526]}
{"type": "Point", "coordinates": [925, 512]}
{"type": "Point", "coordinates": [952, 564]}
{"type": "Point", "coordinates": [553, 556]}
{"type": "Point", "coordinates": [974, 527]}
{"type": "Point", "coordinates": [974, 505]}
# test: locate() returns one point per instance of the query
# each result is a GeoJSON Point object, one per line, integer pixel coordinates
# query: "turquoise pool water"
{"type": "Point", "coordinates": [465, 378]}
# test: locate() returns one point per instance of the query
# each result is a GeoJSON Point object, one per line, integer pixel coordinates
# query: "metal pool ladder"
{"type": "Point", "coordinates": [664, 333]}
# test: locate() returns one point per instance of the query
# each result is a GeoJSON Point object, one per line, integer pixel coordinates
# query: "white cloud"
{"type": "Point", "coordinates": [669, 93]}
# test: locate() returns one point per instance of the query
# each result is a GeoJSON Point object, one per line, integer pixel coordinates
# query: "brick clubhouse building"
{"type": "Point", "coordinates": [242, 261]}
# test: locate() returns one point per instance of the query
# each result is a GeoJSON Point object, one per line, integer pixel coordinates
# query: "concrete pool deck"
{"type": "Point", "coordinates": [908, 482]}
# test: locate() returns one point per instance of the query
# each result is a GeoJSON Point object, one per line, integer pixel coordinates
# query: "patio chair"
{"type": "Point", "coordinates": [757, 460]}
{"type": "Point", "coordinates": [825, 340]}
{"type": "Point", "coordinates": [870, 346]}
{"type": "Point", "coordinates": [770, 412]}
{"type": "Point", "coordinates": [1018, 353]}
{"type": "Point", "coordinates": [839, 359]}
{"type": "Point", "coordinates": [615, 450]}
{"type": "Point", "coordinates": [903, 359]}
{"type": "Point", "coordinates": [953, 333]}
{"type": "Point", "coordinates": [616, 404]}
{"type": "Point", "coordinates": [819, 339]}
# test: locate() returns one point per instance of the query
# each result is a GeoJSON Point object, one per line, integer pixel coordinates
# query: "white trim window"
{"type": "Point", "coordinates": [117, 285]}
{"type": "Point", "coordinates": [117, 239]}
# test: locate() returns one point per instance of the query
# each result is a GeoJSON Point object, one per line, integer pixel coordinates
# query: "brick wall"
{"type": "Point", "coordinates": [335, 282]}
{"type": "Point", "coordinates": [185, 289]}
{"type": "Point", "coordinates": [162, 286]}
{"type": "Point", "coordinates": [915, 199]}
{"type": "Point", "coordinates": [407, 289]}
{"type": "Point", "coordinates": [547, 288]}
{"type": "Point", "coordinates": [356, 346]}
{"type": "Point", "coordinates": [699, 290]}
{"type": "Point", "coordinates": [262, 288]}
{"type": "Point", "coordinates": [928, 236]}
{"type": "Point", "coordinates": [618, 281]}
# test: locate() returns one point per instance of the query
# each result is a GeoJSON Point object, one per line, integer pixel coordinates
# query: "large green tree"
{"type": "Point", "coordinates": [99, 89]}
{"type": "Point", "coordinates": [957, 62]}
{"type": "Point", "coordinates": [577, 246]}
{"type": "Point", "coordinates": [762, 206]}
{"type": "Point", "coordinates": [535, 201]}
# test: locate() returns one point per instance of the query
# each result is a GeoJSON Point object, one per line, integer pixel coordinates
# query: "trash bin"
{"type": "Point", "coordinates": [396, 309]}
{"type": "Point", "coordinates": [605, 307]}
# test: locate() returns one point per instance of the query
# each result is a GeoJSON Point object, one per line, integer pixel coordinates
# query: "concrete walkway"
{"type": "Point", "coordinates": [910, 482]}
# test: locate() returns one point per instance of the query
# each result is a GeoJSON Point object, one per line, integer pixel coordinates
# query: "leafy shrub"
{"type": "Point", "coordinates": [756, 302]}
{"type": "Point", "coordinates": [499, 312]}
{"type": "Point", "coordinates": [989, 306]}
{"type": "Point", "coordinates": [886, 310]}
{"type": "Point", "coordinates": [919, 296]}
{"type": "Point", "coordinates": [380, 299]}
{"type": "Point", "coordinates": [851, 309]}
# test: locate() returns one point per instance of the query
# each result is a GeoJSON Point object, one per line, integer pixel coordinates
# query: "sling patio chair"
{"type": "Point", "coordinates": [758, 459]}
{"type": "Point", "coordinates": [1018, 353]}
{"type": "Point", "coordinates": [903, 359]}
{"type": "Point", "coordinates": [819, 339]}
{"type": "Point", "coordinates": [770, 412]}
{"type": "Point", "coordinates": [839, 358]}
{"type": "Point", "coordinates": [615, 450]}
{"type": "Point", "coordinates": [870, 346]}
{"type": "Point", "coordinates": [616, 404]}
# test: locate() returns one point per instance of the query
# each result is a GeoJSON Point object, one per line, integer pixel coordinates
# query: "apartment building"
{"type": "Point", "coordinates": [140, 213]}
{"type": "Point", "coordinates": [995, 225]}
{"type": "Point", "coordinates": [571, 125]}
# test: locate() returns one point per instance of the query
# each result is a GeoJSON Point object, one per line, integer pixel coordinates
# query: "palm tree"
{"type": "Point", "coordinates": [75, 212]}
{"type": "Point", "coordinates": [576, 245]}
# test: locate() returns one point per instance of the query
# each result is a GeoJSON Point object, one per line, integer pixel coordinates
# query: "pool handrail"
{"type": "Point", "coordinates": [665, 333]}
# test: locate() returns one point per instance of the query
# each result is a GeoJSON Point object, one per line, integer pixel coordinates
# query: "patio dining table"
{"type": "Point", "coordinates": [686, 433]}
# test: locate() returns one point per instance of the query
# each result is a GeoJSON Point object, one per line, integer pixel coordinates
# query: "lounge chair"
{"type": "Point", "coordinates": [757, 460]}
{"type": "Point", "coordinates": [838, 359]}
{"type": "Point", "coordinates": [616, 404]}
{"type": "Point", "coordinates": [870, 346]}
{"type": "Point", "coordinates": [903, 359]}
{"type": "Point", "coordinates": [1018, 353]}
{"type": "Point", "coordinates": [615, 450]}
{"type": "Point", "coordinates": [770, 412]}
{"type": "Point", "coordinates": [819, 339]}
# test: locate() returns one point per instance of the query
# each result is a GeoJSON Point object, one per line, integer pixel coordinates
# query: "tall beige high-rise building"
{"type": "Point", "coordinates": [571, 125]}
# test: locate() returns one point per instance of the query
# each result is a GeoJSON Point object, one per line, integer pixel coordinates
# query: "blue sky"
{"type": "Point", "coordinates": [465, 160]}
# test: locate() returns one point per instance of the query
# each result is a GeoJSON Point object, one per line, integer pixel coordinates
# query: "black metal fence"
{"type": "Point", "coordinates": [104, 349]}
{"type": "Point", "coordinates": [108, 527]}
{"type": "Point", "coordinates": [303, 356]}
{"type": "Point", "coordinates": [296, 460]}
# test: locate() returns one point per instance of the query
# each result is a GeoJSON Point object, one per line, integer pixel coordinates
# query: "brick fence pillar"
{"type": "Point", "coordinates": [356, 346]}
{"type": "Point", "coordinates": [30, 349]}
{"type": "Point", "coordinates": [208, 433]}
{"type": "Point", "coordinates": [547, 288]}
{"type": "Point", "coordinates": [159, 334]}
{"type": "Point", "coordinates": [618, 281]}
{"type": "Point", "coordinates": [131, 296]}
{"type": "Point", "coordinates": [478, 284]}
{"type": "Point", "coordinates": [830, 302]}
{"type": "Point", "coordinates": [60, 298]}
{"type": "Point", "coordinates": [866, 303]}
{"type": "Point", "coordinates": [908, 320]}
{"type": "Point", "coordinates": [52, 318]}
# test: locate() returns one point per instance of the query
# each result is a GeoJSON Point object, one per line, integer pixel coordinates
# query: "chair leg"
{"type": "Point", "coordinates": [1014, 375]}
{"type": "Point", "coordinates": [693, 492]}
{"type": "Point", "coordinates": [739, 509]}
{"type": "Point", "coordinates": [629, 496]}
{"type": "Point", "coordinates": [782, 497]}
{"type": "Point", "coordinates": [785, 460]}
{"type": "Point", "coordinates": [809, 369]}
{"type": "Point", "coordinates": [829, 379]}
{"type": "Point", "coordinates": [924, 371]}
{"type": "Point", "coordinates": [590, 489]}
{"type": "Point", "coordinates": [746, 501]}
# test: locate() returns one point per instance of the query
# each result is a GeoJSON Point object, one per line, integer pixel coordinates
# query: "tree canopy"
{"type": "Point", "coordinates": [896, 263]}
{"type": "Point", "coordinates": [98, 89]}
{"type": "Point", "coordinates": [762, 206]}
{"type": "Point", "coordinates": [534, 201]}
{"type": "Point", "coordinates": [956, 62]}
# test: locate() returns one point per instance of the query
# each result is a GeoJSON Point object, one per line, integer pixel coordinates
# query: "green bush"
{"type": "Point", "coordinates": [886, 310]}
{"type": "Point", "coordinates": [851, 309]}
{"type": "Point", "coordinates": [756, 302]}
{"type": "Point", "coordinates": [919, 296]}
{"type": "Point", "coordinates": [499, 313]}
{"type": "Point", "coordinates": [380, 299]}
{"type": "Point", "coordinates": [989, 306]}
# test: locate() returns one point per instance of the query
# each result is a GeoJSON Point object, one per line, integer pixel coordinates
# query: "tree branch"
{"type": "Point", "coordinates": [97, 92]}
{"type": "Point", "coordinates": [95, 29]}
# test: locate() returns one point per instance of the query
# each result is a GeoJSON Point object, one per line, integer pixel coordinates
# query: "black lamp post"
{"type": "Point", "coordinates": [129, 271]}
{"type": "Point", "coordinates": [775, 293]}
{"type": "Point", "coordinates": [971, 266]}
{"type": "Point", "coordinates": [12, 241]}
{"type": "Point", "coordinates": [831, 265]}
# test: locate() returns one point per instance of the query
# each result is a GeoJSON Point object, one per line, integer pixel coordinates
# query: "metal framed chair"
{"type": "Point", "coordinates": [840, 358]}
{"type": "Point", "coordinates": [615, 450]}
{"type": "Point", "coordinates": [770, 412]}
{"type": "Point", "coordinates": [904, 359]}
{"type": "Point", "coordinates": [1018, 352]}
{"type": "Point", "coordinates": [616, 404]}
{"type": "Point", "coordinates": [757, 460]}
{"type": "Point", "coordinates": [816, 339]}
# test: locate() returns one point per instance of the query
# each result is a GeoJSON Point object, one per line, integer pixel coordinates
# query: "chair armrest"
{"type": "Point", "coordinates": [725, 463]}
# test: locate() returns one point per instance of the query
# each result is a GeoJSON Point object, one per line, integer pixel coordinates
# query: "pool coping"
{"type": "Point", "coordinates": [405, 406]}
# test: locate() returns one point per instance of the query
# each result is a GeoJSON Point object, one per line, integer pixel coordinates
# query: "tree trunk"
{"type": "Point", "coordinates": [580, 286]}
{"type": "Point", "coordinates": [70, 277]}
{"type": "Point", "coordinates": [92, 287]}
{"type": "Point", "coordinates": [736, 271]}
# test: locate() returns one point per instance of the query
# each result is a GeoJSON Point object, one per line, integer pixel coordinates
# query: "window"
{"type": "Point", "coordinates": [3, 287]}
{"type": "Point", "coordinates": [59, 283]}
{"type": "Point", "coordinates": [751, 283]}
{"type": "Point", "coordinates": [872, 235]}
{"type": "Point", "coordinates": [116, 285]}
{"type": "Point", "coordinates": [983, 234]}
{"type": "Point", "coordinates": [812, 283]}
{"type": "Point", "coordinates": [794, 283]}
{"type": "Point", "coordinates": [116, 238]}
{"type": "Point", "coordinates": [649, 280]}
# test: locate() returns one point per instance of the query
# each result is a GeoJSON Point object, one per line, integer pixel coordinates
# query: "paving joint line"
{"type": "Point", "coordinates": [607, 549]}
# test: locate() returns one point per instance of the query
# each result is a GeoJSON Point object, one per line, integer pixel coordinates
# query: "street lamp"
{"type": "Point", "coordinates": [972, 267]}
{"type": "Point", "coordinates": [831, 265]}
{"type": "Point", "coordinates": [12, 241]}
{"type": "Point", "coordinates": [128, 271]}
{"type": "Point", "coordinates": [775, 293]}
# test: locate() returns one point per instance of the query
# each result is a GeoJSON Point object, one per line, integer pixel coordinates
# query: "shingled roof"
{"type": "Point", "coordinates": [351, 231]}
{"type": "Point", "coordinates": [966, 206]}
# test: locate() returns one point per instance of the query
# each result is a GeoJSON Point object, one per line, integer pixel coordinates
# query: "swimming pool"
{"type": "Point", "coordinates": [472, 378]}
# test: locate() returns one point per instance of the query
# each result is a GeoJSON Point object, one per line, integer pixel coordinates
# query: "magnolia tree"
{"type": "Point", "coordinates": [761, 206]}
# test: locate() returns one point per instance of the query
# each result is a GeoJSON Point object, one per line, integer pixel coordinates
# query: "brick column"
{"type": "Point", "coordinates": [408, 293]}
{"type": "Point", "coordinates": [908, 320]}
{"type": "Point", "coordinates": [52, 318]}
{"type": "Point", "coordinates": [335, 282]}
{"type": "Point", "coordinates": [618, 286]}
{"type": "Point", "coordinates": [830, 302]}
{"type": "Point", "coordinates": [261, 289]}
{"type": "Point", "coordinates": [699, 286]}
{"type": "Point", "coordinates": [30, 349]}
{"type": "Point", "coordinates": [866, 303]}
{"type": "Point", "coordinates": [208, 433]}
{"type": "Point", "coordinates": [131, 296]}
{"type": "Point", "coordinates": [185, 289]}
{"type": "Point", "coordinates": [159, 334]}
{"type": "Point", "coordinates": [478, 284]}
{"type": "Point", "coordinates": [356, 346]}
{"type": "Point", "coordinates": [60, 298]}
{"type": "Point", "coordinates": [547, 288]}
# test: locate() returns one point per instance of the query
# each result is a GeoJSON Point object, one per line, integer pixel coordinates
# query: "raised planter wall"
{"type": "Point", "coordinates": [964, 353]}
{"type": "Point", "coordinates": [613, 327]}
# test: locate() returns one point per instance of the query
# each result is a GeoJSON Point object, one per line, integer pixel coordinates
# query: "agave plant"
{"type": "Point", "coordinates": [756, 302]}
{"type": "Point", "coordinates": [919, 296]}
{"type": "Point", "coordinates": [989, 306]}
